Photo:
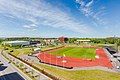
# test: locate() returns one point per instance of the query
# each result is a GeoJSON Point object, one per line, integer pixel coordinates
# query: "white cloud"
{"type": "Point", "coordinates": [40, 12]}
{"type": "Point", "coordinates": [87, 9]}
{"type": "Point", "coordinates": [89, 3]}
{"type": "Point", "coordinates": [28, 26]}
{"type": "Point", "coordinates": [31, 27]}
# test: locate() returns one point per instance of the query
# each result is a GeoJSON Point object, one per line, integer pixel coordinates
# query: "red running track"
{"type": "Point", "coordinates": [69, 62]}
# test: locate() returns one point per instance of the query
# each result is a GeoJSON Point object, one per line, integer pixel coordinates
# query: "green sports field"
{"type": "Point", "coordinates": [76, 52]}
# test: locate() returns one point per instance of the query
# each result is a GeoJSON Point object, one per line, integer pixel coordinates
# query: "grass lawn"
{"type": "Point", "coordinates": [22, 51]}
{"type": "Point", "coordinates": [18, 52]}
{"type": "Point", "coordinates": [80, 74]}
{"type": "Point", "coordinates": [49, 47]}
{"type": "Point", "coordinates": [76, 52]}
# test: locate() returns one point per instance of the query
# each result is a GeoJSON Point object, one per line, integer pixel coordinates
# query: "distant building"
{"type": "Point", "coordinates": [16, 43]}
{"type": "Point", "coordinates": [49, 41]}
{"type": "Point", "coordinates": [34, 42]}
{"type": "Point", "coordinates": [83, 41]}
{"type": "Point", "coordinates": [37, 50]}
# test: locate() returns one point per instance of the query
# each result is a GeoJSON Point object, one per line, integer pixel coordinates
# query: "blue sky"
{"type": "Point", "coordinates": [54, 18]}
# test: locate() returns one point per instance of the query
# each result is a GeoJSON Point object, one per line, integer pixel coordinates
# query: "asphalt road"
{"type": "Point", "coordinates": [9, 72]}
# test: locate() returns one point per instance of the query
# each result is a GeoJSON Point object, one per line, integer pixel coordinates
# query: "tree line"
{"type": "Point", "coordinates": [110, 40]}
{"type": "Point", "coordinates": [98, 40]}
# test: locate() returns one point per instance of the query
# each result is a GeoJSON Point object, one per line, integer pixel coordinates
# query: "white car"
{"type": "Point", "coordinates": [118, 67]}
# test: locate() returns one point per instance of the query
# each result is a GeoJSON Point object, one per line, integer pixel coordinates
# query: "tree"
{"type": "Point", "coordinates": [72, 40]}
{"type": "Point", "coordinates": [1, 40]}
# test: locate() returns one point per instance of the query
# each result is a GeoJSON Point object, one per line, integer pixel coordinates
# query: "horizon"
{"type": "Point", "coordinates": [59, 36]}
{"type": "Point", "coordinates": [73, 18]}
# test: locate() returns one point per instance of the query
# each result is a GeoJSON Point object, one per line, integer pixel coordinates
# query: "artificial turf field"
{"type": "Point", "coordinates": [76, 52]}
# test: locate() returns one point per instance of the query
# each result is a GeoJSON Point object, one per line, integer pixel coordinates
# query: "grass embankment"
{"type": "Point", "coordinates": [80, 74]}
{"type": "Point", "coordinates": [76, 52]}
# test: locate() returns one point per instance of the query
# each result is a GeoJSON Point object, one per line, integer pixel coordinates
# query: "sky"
{"type": "Point", "coordinates": [55, 18]}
